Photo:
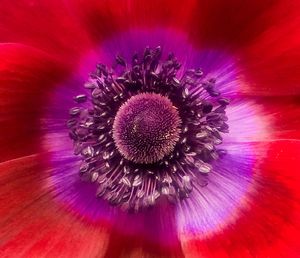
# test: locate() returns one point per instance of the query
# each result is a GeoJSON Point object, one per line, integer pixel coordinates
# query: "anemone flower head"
{"type": "Point", "coordinates": [149, 128]}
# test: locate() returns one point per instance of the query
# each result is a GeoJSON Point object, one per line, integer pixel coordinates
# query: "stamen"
{"type": "Point", "coordinates": [147, 132]}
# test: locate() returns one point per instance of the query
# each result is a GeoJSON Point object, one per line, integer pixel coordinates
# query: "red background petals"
{"type": "Point", "coordinates": [33, 225]}
{"type": "Point", "coordinates": [26, 75]}
{"type": "Point", "coordinates": [104, 18]}
{"type": "Point", "coordinates": [45, 25]}
{"type": "Point", "coordinates": [271, 62]}
{"type": "Point", "coordinates": [271, 226]}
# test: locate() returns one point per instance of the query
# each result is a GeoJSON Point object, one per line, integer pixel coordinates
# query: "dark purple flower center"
{"type": "Point", "coordinates": [146, 128]}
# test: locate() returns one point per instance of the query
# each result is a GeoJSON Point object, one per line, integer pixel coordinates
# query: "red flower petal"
{"type": "Point", "coordinates": [104, 18]}
{"type": "Point", "coordinates": [284, 114]}
{"type": "Point", "coordinates": [46, 25]}
{"type": "Point", "coordinates": [270, 227]}
{"type": "Point", "coordinates": [25, 74]}
{"type": "Point", "coordinates": [266, 35]}
{"type": "Point", "coordinates": [32, 225]}
{"type": "Point", "coordinates": [228, 24]}
{"type": "Point", "coordinates": [271, 62]}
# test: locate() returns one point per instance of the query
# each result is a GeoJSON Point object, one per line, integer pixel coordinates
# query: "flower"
{"type": "Point", "coordinates": [237, 197]}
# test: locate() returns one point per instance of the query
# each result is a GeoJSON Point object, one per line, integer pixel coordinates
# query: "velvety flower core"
{"type": "Point", "coordinates": [146, 128]}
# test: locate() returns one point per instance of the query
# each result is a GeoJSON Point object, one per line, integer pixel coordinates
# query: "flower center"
{"type": "Point", "coordinates": [131, 139]}
{"type": "Point", "coordinates": [146, 128]}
